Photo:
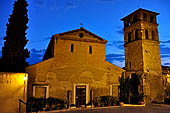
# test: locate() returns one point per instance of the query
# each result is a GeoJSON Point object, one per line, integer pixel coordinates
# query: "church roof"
{"type": "Point", "coordinates": [81, 29]}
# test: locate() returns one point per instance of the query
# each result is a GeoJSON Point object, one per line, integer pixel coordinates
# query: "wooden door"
{"type": "Point", "coordinates": [80, 95]}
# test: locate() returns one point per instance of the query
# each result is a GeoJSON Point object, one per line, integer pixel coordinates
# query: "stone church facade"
{"type": "Point", "coordinates": [74, 68]}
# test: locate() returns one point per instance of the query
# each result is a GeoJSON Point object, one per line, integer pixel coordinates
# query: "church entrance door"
{"type": "Point", "coordinates": [80, 95]}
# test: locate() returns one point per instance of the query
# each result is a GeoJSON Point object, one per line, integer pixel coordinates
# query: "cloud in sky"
{"type": "Point", "coordinates": [168, 41]}
{"type": "Point", "coordinates": [44, 39]}
{"type": "Point", "coordinates": [119, 44]}
{"type": "Point", "coordinates": [167, 64]}
{"type": "Point", "coordinates": [56, 5]}
{"type": "Point", "coordinates": [72, 4]}
{"type": "Point", "coordinates": [106, 1]}
{"type": "Point", "coordinates": [117, 59]}
{"type": "Point", "coordinates": [165, 61]}
{"type": "Point", "coordinates": [165, 53]}
{"type": "Point", "coordinates": [120, 32]}
{"type": "Point", "coordinates": [40, 3]}
{"type": "Point", "coordinates": [164, 56]}
{"type": "Point", "coordinates": [165, 50]}
{"type": "Point", "coordinates": [35, 56]}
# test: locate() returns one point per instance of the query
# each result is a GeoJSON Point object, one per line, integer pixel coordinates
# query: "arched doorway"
{"type": "Point", "coordinates": [134, 88]}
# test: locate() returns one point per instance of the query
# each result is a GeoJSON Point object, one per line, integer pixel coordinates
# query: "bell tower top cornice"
{"type": "Point", "coordinates": [140, 15]}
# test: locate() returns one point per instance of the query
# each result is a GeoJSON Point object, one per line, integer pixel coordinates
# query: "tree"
{"type": "Point", "coordinates": [14, 53]}
{"type": "Point", "coordinates": [124, 89]}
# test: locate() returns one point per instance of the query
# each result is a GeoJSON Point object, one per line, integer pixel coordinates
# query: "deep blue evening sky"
{"type": "Point", "coordinates": [102, 17]}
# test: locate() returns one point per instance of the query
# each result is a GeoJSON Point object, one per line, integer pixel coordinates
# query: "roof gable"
{"type": "Point", "coordinates": [80, 35]}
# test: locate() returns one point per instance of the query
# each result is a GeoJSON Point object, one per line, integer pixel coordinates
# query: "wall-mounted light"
{"type": "Point", "coordinates": [25, 77]}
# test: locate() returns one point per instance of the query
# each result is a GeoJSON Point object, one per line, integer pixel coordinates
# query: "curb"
{"type": "Point", "coordinates": [77, 109]}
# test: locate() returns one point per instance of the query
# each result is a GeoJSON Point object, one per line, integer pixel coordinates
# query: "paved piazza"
{"type": "Point", "coordinates": [146, 109]}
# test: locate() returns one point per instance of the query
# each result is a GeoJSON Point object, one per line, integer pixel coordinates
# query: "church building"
{"type": "Point", "coordinates": [74, 68]}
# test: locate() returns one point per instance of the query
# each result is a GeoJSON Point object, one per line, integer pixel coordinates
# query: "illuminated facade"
{"type": "Point", "coordinates": [74, 69]}
{"type": "Point", "coordinates": [13, 87]}
{"type": "Point", "coordinates": [166, 80]}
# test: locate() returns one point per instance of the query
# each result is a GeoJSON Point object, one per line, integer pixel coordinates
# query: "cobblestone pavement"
{"type": "Point", "coordinates": [146, 109]}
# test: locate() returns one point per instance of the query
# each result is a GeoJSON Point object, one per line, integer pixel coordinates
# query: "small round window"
{"type": "Point", "coordinates": [81, 35]}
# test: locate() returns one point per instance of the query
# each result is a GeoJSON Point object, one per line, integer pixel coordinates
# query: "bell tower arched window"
{"type": "Point", "coordinates": [128, 23]}
{"type": "Point", "coordinates": [146, 34]}
{"type": "Point", "coordinates": [135, 18]}
{"type": "Point", "coordinates": [153, 35]}
{"type": "Point", "coordinates": [151, 18]}
{"type": "Point", "coordinates": [72, 48]}
{"type": "Point", "coordinates": [144, 17]}
{"type": "Point", "coordinates": [129, 37]}
{"type": "Point", "coordinates": [136, 35]}
{"type": "Point", "coordinates": [90, 49]}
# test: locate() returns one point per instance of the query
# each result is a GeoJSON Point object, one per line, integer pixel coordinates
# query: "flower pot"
{"type": "Point", "coordinates": [141, 103]}
{"type": "Point", "coordinates": [121, 104]}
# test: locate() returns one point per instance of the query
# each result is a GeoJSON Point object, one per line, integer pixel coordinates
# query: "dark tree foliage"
{"type": "Point", "coordinates": [124, 89]}
{"type": "Point", "coordinates": [14, 53]}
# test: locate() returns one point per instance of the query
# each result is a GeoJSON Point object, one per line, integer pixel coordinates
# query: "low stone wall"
{"type": "Point", "coordinates": [13, 86]}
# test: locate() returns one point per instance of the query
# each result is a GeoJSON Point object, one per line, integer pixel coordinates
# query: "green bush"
{"type": "Point", "coordinates": [141, 97]}
{"type": "Point", "coordinates": [72, 105]}
{"type": "Point", "coordinates": [167, 100]}
{"type": "Point", "coordinates": [108, 100]}
{"type": "Point", "coordinates": [37, 104]}
{"type": "Point", "coordinates": [89, 103]}
{"type": "Point", "coordinates": [55, 103]}
{"type": "Point", "coordinates": [96, 101]}
{"type": "Point", "coordinates": [123, 98]}
{"type": "Point", "coordinates": [105, 101]}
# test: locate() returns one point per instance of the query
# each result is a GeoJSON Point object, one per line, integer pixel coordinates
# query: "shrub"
{"type": "Point", "coordinates": [109, 100]}
{"type": "Point", "coordinates": [114, 100]}
{"type": "Point", "coordinates": [124, 98]}
{"type": "Point", "coordinates": [37, 104]}
{"type": "Point", "coordinates": [89, 104]}
{"type": "Point", "coordinates": [167, 100]}
{"type": "Point", "coordinates": [106, 100]}
{"type": "Point", "coordinates": [141, 97]}
{"type": "Point", "coordinates": [72, 105]}
{"type": "Point", "coordinates": [55, 103]}
{"type": "Point", "coordinates": [96, 101]}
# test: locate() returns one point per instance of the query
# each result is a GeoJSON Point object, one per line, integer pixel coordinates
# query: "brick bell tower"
{"type": "Point", "coordinates": [142, 54]}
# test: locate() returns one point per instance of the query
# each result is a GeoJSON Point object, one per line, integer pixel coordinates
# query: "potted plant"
{"type": "Point", "coordinates": [89, 105]}
{"type": "Point", "coordinates": [114, 100]}
{"type": "Point", "coordinates": [106, 100]}
{"type": "Point", "coordinates": [121, 104]}
{"type": "Point", "coordinates": [72, 106]}
{"type": "Point", "coordinates": [141, 99]}
{"type": "Point", "coordinates": [96, 102]}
